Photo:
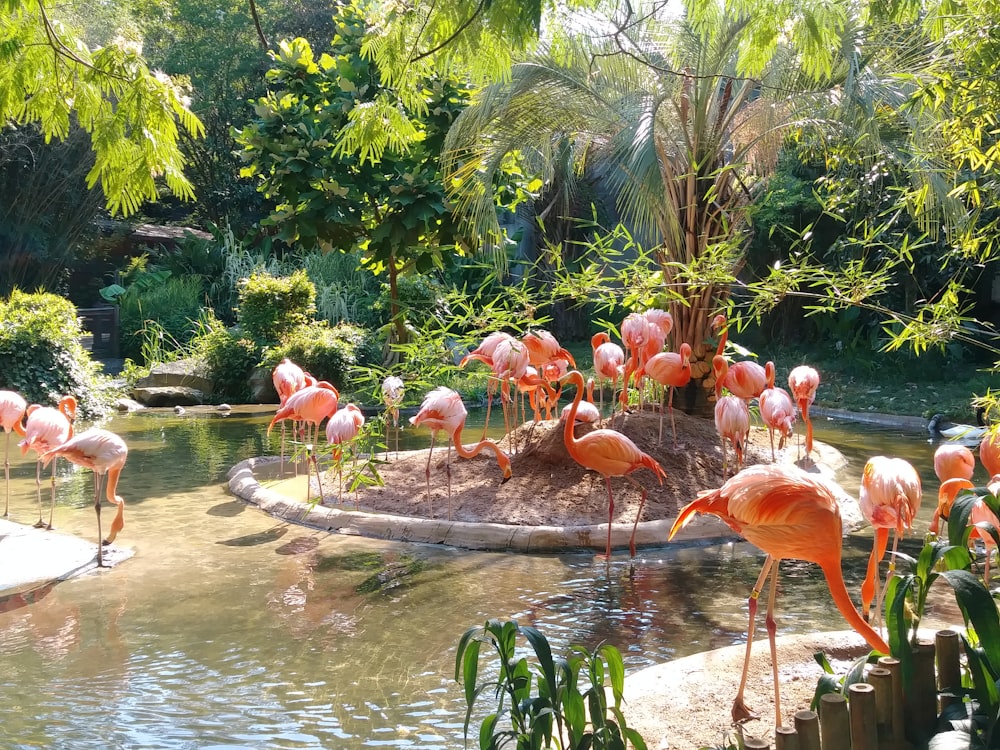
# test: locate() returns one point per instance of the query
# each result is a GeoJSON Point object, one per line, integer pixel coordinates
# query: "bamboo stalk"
{"type": "Point", "coordinates": [864, 717]}
{"type": "Point", "coordinates": [756, 743]}
{"type": "Point", "coordinates": [834, 722]}
{"type": "Point", "coordinates": [880, 679]}
{"type": "Point", "coordinates": [921, 700]}
{"type": "Point", "coordinates": [786, 738]}
{"type": "Point", "coordinates": [807, 727]}
{"type": "Point", "coordinates": [898, 731]}
{"type": "Point", "coordinates": [949, 671]}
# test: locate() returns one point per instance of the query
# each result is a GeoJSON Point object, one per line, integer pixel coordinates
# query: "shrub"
{"type": "Point", "coordinates": [42, 355]}
{"type": "Point", "coordinates": [327, 352]}
{"type": "Point", "coordinates": [273, 306]}
{"type": "Point", "coordinates": [174, 304]}
{"type": "Point", "coordinates": [231, 358]}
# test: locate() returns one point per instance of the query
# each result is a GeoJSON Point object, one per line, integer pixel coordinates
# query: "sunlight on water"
{"type": "Point", "coordinates": [229, 629]}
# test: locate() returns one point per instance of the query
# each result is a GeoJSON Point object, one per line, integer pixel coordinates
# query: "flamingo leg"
{"type": "Point", "coordinates": [770, 432]}
{"type": "Point", "coordinates": [611, 513]}
{"type": "Point", "coordinates": [281, 465]}
{"type": "Point", "coordinates": [741, 713]}
{"type": "Point", "coordinates": [52, 501]}
{"type": "Point", "coordinates": [427, 473]}
{"type": "Point", "coordinates": [638, 515]}
{"type": "Point", "coordinates": [6, 475]}
{"type": "Point", "coordinates": [315, 458]}
{"type": "Point", "coordinates": [771, 631]}
{"type": "Point", "coordinates": [670, 407]}
{"type": "Point", "coordinates": [447, 471]}
{"type": "Point", "coordinates": [880, 591]}
{"type": "Point", "coordinates": [659, 439]}
{"type": "Point", "coordinates": [97, 510]}
{"type": "Point", "coordinates": [869, 588]}
{"type": "Point", "coordinates": [38, 493]}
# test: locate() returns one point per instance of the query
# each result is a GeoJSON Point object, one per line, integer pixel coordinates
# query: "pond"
{"type": "Point", "coordinates": [229, 629]}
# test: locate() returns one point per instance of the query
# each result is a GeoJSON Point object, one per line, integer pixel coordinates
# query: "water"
{"type": "Point", "coordinates": [228, 629]}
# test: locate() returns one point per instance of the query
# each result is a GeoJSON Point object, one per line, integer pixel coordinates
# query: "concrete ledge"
{"type": "Point", "coordinates": [243, 483]}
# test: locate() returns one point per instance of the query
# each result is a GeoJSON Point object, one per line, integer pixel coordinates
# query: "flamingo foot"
{"type": "Point", "coordinates": [742, 714]}
{"type": "Point", "coordinates": [39, 524]}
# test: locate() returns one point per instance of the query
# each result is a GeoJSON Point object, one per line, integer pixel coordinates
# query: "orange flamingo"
{"type": "Point", "coordinates": [732, 416]}
{"type": "Point", "coordinates": [777, 410]}
{"type": "Point", "coordinates": [671, 370]}
{"type": "Point", "coordinates": [543, 348]}
{"type": "Point", "coordinates": [12, 407]}
{"type": "Point", "coordinates": [746, 379]}
{"type": "Point", "coordinates": [46, 427]}
{"type": "Point", "coordinates": [889, 499]}
{"type": "Point", "coordinates": [343, 427]}
{"type": "Point", "coordinates": [789, 515]}
{"type": "Point", "coordinates": [989, 452]}
{"type": "Point", "coordinates": [104, 453]}
{"type": "Point", "coordinates": [981, 518]}
{"type": "Point", "coordinates": [586, 412]}
{"type": "Point", "coordinates": [392, 396]}
{"type": "Point", "coordinates": [442, 409]}
{"type": "Point", "coordinates": [803, 382]}
{"type": "Point", "coordinates": [288, 378]}
{"type": "Point", "coordinates": [609, 364]}
{"type": "Point", "coordinates": [484, 353]}
{"type": "Point", "coordinates": [610, 454]}
{"type": "Point", "coordinates": [311, 405]}
{"type": "Point", "coordinates": [953, 461]}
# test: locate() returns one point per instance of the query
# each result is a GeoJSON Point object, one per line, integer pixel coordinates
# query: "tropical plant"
{"type": "Point", "coordinates": [271, 307]}
{"type": "Point", "coordinates": [327, 352]}
{"type": "Point", "coordinates": [548, 703]}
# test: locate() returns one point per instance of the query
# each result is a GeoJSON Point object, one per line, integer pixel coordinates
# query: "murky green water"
{"type": "Point", "coordinates": [228, 629]}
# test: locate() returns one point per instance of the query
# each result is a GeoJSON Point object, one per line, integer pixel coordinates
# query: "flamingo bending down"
{"type": "Point", "coordinates": [889, 499]}
{"type": "Point", "coordinates": [671, 370]}
{"type": "Point", "coordinates": [789, 515]}
{"type": "Point", "coordinates": [609, 453]}
{"type": "Point", "coordinates": [609, 364]}
{"type": "Point", "coordinates": [392, 396]}
{"type": "Point", "coordinates": [311, 405]}
{"type": "Point", "coordinates": [953, 461]}
{"type": "Point", "coordinates": [443, 409]}
{"type": "Point", "coordinates": [343, 427]}
{"type": "Point", "coordinates": [587, 411]}
{"type": "Point", "coordinates": [981, 518]}
{"type": "Point", "coordinates": [803, 382]}
{"type": "Point", "coordinates": [45, 428]}
{"type": "Point", "coordinates": [12, 407]}
{"type": "Point", "coordinates": [543, 348]}
{"type": "Point", "coordinates": [288, 378]}
{"type": "Point", "coordinates": [732, 416]}
{"type": "Point", "coordinates": [104, 453]}
{"type": "Point", "coordinates": [777, 410]}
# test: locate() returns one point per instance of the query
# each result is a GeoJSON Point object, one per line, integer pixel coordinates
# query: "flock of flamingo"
{"type": "Point", "coordinates": [786, 512]}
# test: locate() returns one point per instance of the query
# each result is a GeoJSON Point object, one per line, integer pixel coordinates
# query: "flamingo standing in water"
{"type": "Point", "coordinates": [732, 416]}
{"type": "Point", "coordinates": [288, 378]}
{"type": "Point", "coordinates": [889, 499]}
{"type": "Point", "coordinates": [442, 409]}
{"type": "Point", "coordinates": [12, 407]}
{"type": "Point", "coordinates": [610, 454]}
{"type": "Point", "coordinates": [104, 453]}
{"type": "Point", "coordinates": [45, 428]}
{"type": "Point", "coordinates": [311, 405]}
{"type": "Point", "coordinates": [343, 427]}
{"type": "Point", "coordinates": [671, 370]}
{"type": "Point", "coordinates": [392, 397]}
{"type": "Point", "coordinates": [789, 515]}
{"type": "Point", "coordinates": [609, 364]}
{"type": "Point", "coordinates": [803, 382]}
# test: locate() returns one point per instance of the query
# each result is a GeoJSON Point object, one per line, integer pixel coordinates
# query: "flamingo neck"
{"type": "Point", "coordinates": [474, 450]}
{"type": "Point", "coordinates": [838, 590]}
{"type": "Point", "coordinates": [568, 435]}
{"type": "Point", "coordinates": [723, 339]}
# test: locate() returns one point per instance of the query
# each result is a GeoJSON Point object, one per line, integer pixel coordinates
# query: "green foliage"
{"type": "Point", "coordinates": [231, 359]}
{"type": "Point", "coordinates": [548, 702]}
{"type": "Point", "coordinates": [327, 352]}
{"type": "Point", "coordinates": [421, 299]}
{"type": "Point", "coordinates": [42, 355]}
{"type": "Point", "coordinates": [271, 307]}
{"type": "Point", "coordinates": [173, 304]}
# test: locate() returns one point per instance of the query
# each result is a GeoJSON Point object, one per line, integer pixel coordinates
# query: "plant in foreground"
{"type": "Point", "coordinates": [550, 703]}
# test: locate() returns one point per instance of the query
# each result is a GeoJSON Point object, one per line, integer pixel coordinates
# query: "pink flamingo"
{"type": "Point", "coordinates": [635, 336]}
{"type": "Point", "coordinates": [484, 353]}
{"type": "Point", "coordinates": [104, 453]}
{"type": "Point", "coordinates": [745, 379]}
{"type": "Point", "coordinates": [46, 428]}
{"type": "Point", "coordinates": [981, 518]}
{"type": "Point", "coordinates": [610, 454]}
{"type": "Point", "coordinates": [442, 409]}
{"type": "Point", "coordinates": [609, 364]}
{"type": "Point", "coordinates": [543, 348]}
{"type": "Point", "coordinates": [732, 416]}
{"type": "Point", "coordinates": [288, 378]}
{"type": "Point", "coordinates": [311, 405]}
{"type": "Point", "coordinates": [586, 412]}
{"type": "Point", "coordinates": [803, 382]}
{"type": "Point", "coordinates": [392, 396]}
{"type": "Point", "coordinates": [989, 453]}
{"type": "Point", "coordinates": [777, 410]}
{"type": "Point", "coordinates": [953, 461]}
{"type": "Point", "coordinates": [889, 499]}
{"type": "Point", "coordinates": [671, 370]}
{"type": "Point", "coordinates": [12, 407]}
{"type": "Point", "coordinates": [789, 515]}
{"type": "Point", "coordinates": [343, 427]}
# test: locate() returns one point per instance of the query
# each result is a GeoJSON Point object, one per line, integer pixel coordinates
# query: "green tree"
{"type": "Point", "coordinates": [49, 76]}
{"type": "Point", "coordinates": [392, 208]}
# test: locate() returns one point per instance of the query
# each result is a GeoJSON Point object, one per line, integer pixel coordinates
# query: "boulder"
{"type": "Point", "coordinates": [167, 395]}
{"type": "Point", "coordinates": [262, 387]}
{"type": "Point", "coordinates": [186, 373]}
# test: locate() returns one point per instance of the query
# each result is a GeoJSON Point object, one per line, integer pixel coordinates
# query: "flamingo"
{"type": "Point", "coordinates": [953, 461]}
{"type": "Point", "coordinates": [543, 348]}
{"type": "Point", "coordinates": [789, 515]}
{"type": "Point", "coordinates": [311, 405]}
{"type": "Point", "coordinates": [46, 427]}
{"type": "Point", "coordinates": [889, 499]}
{"type": "Point", "coordinates": [746, 379]}
{"type": "Point", "coordinates": [989, 452]}
{"type": "Point", "coordinates": [777, 410]}
{"type": "Point", "coordinates": [586, 412]}
{"type": "Point", "coordinates": [392, 396]}
{"type": "Point", "coordinates": [610, 454]}
{"type": "Point", "coordinates": [979, 516]}
{"type": "Point", "coordinates": [484, 353]}
{"type": "Point", "coordinates": [609, 364]}
{"type": "Point", "coordinates": [803, 382]}
{"type": "Point", "coordinates": [12, 407]}
{"type": "Point", "coordinates": [343, 427]}
{"type": "Point", "coordinates": [104, 453]}
{"type": "Point", "coordinates": [671, 370]}
{"type": "Point", "coordinates": [732, 416]}
{"type": "Point", "coordinates": [636, 331]}
{"type": "Point", "coordinates": [288, 378]}
{"type": "Point", "coordinates": [442, 409]}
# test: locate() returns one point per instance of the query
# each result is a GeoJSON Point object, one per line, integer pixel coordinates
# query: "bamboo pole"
{"type": "Point", "coordinates": [898, 731]}
{"type": "Point", "coordinates": [864, 717]}
{"type": "Point", "coordinates": [949, 671]}
{"type": "Point", "coordinates": [807, 727]}
{"type": "Point", "coordinates": [880, 679]}
{"type": "Point", "coordinates": [786, 738]}
{"type": "Point", "coordinates": [921, 700]}
{"type": "Point", "coordinates": [834, 722]}
{"type": "Point", "coordinates": [756, 743]}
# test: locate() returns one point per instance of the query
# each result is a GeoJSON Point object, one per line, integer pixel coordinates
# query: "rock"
{"type": "Point", "coordinates": [128, 404]}
{"type": "Point", "coordinates": [179, 410]}
{"type": "Point", "coordinates": [262, 387]}
{"type": "Point", "coordinates": [186, 373]}
{"type": "Point", "coordinates": [168, 396]}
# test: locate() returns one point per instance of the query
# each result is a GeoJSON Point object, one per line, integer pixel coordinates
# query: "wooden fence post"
{"type": "Point", "coordinates": [807, 727]}
{"type": "Point", "coordinates": [786, 738]}
{"type": "Point", "coordinates": [864, 717]}
{"type": "Point", "coordinates": [949, 671]}
{"type": "Point", "coordinates": [898, 734]}
{"type": "Point", "coordinates": [834, 722]}
{"type": "Point", "coordinates": [921, 700]}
